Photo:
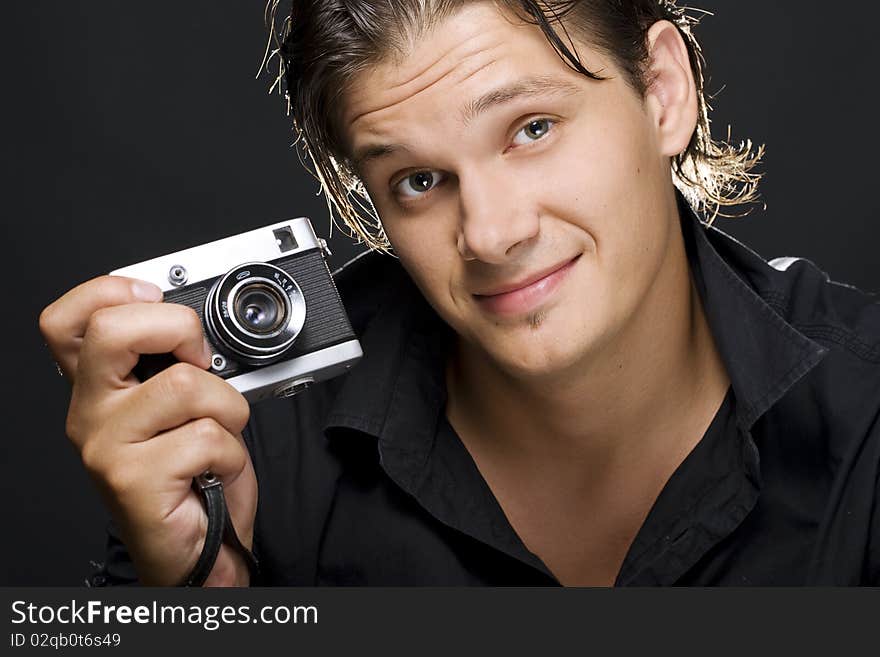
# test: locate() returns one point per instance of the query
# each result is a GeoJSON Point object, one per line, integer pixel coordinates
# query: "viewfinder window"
{"type": "Point", "coordinates": [284, 239]}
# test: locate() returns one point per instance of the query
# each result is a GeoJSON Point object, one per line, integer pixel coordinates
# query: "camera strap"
{"type": "Point", "coordinates": [220, 529]}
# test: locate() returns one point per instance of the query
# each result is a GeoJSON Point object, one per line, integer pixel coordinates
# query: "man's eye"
{"type": "Point", "coordinates": [533, 131]}
{"type": "Point", "coordinates": [419, 183]}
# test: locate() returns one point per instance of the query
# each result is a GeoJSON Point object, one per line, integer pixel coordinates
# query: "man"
{"type": "Point", "coordinates": [567, 377]}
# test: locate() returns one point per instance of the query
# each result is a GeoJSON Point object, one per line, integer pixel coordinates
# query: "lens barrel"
{"type": "Point", "coordinates": [256, 311]}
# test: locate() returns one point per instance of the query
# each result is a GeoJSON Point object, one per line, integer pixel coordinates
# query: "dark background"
{"type": "Point", "coordinates": [136, 129]}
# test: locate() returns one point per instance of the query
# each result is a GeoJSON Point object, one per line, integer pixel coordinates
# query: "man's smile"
{"type": "Point", "coordinates": [527, 294]}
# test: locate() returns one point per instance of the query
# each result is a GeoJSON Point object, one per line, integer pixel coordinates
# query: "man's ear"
{"type": "Point", "coordinates": [672, 95]}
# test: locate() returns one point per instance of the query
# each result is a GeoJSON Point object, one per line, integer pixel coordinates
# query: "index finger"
{"type": "Point", "coordinates": [67, 317]}
{"type": "Point", "coordinates": [63, 322]}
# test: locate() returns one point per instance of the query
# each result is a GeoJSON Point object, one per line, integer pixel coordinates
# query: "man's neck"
{"type": "Point", "coordinates": [642, 398]}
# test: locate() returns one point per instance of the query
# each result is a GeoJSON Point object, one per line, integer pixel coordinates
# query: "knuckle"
{"type": "Point", "coordinates": [100, 324]}
{"type": "Point", "coordinates": [240, 458]}
{"type": "Point", "coordinates": [77, 422]}
{"type": "Point", "coordinates": [241, 410]}
{"type": "Point", "coordinates": [207, 430]}
{"type": "Point", "coordinates": [72, 426]}
{"type": "Point", "coordinates": [48, 322]}
{"type": "Point", "coordinates": [90, 455]}
{"type": "Point", "coordinates": [181, 379]}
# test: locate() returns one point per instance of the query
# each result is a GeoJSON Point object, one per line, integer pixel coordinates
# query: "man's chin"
{"type": "Point", "coordinates": [534, 353]}
{"type": "Point", "coordinates": [546, 342]}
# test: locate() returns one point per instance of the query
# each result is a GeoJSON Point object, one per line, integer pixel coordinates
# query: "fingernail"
{"type": "Point", "coordinates": [144, 291]}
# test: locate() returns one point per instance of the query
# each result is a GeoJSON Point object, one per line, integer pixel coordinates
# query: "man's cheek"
{"type": "Point", "coordinates": [430, 278]}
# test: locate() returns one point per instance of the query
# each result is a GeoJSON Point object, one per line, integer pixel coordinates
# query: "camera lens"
{"type": "Point", "coordinates": [255, 311]}
{"type": "Point", "coordinates": [259, 308]}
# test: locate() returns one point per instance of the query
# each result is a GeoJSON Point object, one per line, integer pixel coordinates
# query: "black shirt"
{"type": "Point", "coordinates": [362, 480]}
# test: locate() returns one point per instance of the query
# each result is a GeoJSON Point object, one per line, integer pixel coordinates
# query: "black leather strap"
{"type": "Point", "coordinates": [220, 529]}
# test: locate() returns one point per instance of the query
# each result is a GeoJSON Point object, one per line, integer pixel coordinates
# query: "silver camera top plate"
{"type": "Point", "coordinates": [214, 259]}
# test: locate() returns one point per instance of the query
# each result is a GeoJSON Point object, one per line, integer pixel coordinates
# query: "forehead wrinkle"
{"type": "Point", "coordinates": [372, 152]}
{"type": "Point", "coordinates": [450, 62]}
{"type": "Point", "coordinates": [543, 84]}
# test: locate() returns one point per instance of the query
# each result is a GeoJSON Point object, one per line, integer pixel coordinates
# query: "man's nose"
{"type": "Point", "coordinates": [494, 220]}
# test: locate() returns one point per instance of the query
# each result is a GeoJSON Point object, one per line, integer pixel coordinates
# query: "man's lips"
{"type": "Point", "coordinates": [525, 295]}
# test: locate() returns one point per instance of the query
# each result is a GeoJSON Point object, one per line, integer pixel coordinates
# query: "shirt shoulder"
{"type": "Point", "coordinates": [838, 316]}
{"type": "Point", "coordinates": [369, 282]}
{"type": "Point", "coordinates": [837, 412]}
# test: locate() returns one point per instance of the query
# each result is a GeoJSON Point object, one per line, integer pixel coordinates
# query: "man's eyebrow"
{"type": "Point", "coordinates": [373, 152]}
{"type": "Point", "coordinates": [534, 86]}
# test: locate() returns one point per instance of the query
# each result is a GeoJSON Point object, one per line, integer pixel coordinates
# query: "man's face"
{"type": "Point", "coordinates": [528, 202]}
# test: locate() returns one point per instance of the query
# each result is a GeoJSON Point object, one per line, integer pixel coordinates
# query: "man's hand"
{"type": "Point", "coordinates": [144, 442]}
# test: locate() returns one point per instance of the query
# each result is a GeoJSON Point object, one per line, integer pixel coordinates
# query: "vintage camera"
{"type": "Point", "coordinates": [268, 305]}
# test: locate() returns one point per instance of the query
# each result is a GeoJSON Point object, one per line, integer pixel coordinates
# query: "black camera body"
{"type": "Point", "coordinates": [268, 305]}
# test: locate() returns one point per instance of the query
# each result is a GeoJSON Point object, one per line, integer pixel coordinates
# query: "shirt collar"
{"type": "Point", "coordinates": [744, 299]}
{"type": "Point", "coordinates": [397, 391]}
